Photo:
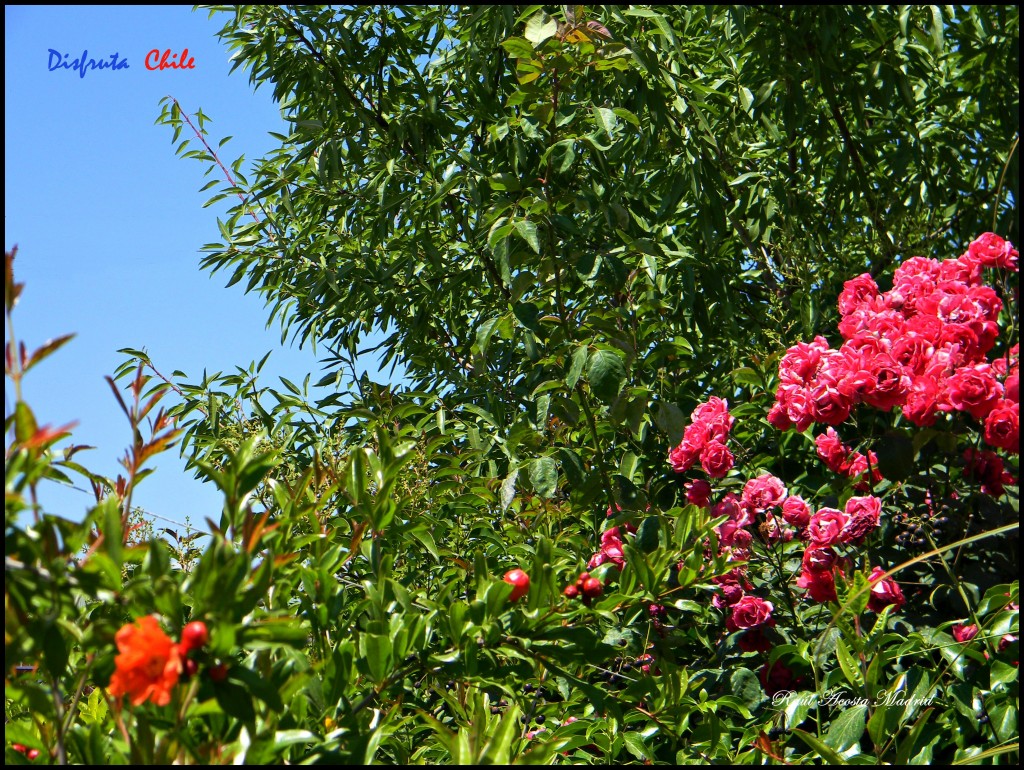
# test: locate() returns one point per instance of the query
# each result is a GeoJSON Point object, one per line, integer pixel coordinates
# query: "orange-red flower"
{"type": "Point", "coordinates": [148, 665]}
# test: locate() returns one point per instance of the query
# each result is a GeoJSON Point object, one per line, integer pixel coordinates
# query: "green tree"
{"type": "Point", "coordinates": [590, 218]}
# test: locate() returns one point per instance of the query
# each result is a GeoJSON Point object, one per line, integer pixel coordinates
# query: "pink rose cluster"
{"type": "Point", "coordinates": [921, 347]}
{"type": "Point", "coordinates": [829, 528]}
{"type": "Point", "coordinates": [841, 459]}
{"type": "Point", "coordinates": [762, 499]}
{"type": "Point", "coordinates": [705, 440]}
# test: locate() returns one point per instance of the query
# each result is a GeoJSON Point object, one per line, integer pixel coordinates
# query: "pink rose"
{"type": "Point", "coordinates": [833, 452]}
{"type": "Point", "coordinates": [1012, 385]}
{"type": "Point", "coordinates": [750, 612]}
{"type": "Point", "coordinates": [819, 559]}
{"type": "Point", "coordinates": [826, 526]}
{"type": "Point", "coordinates": [778, 418]}
{"type": "Point", "coordinates": [884, 592]}
{"type": "Point", "coordinates": [858, 292]}
{"type": "Point", "coordinates": [716, 459]}
{"type": "Point", "coordinates": [774, 531]}
{"type": "Point", "coordinates": [763, 493]}
{"type": "Point", "coordinates": [992, 251]}
{"type": "Point", "coordinates": [964, 632]}
{"type": "Point", "coordinates": [864, 513]}
{"type": "Point", "coordinates": [698, 493]}
{"type": "Point", "coordinates": [796, 511]}
{"type": "Point", "coordinates": [923, 401]}
{"type": "Point", "coordinates": [731, 593]}
{"type": "Point", "coordinates": [965, 269]}
{"type": "Point", "coordinates": [730, 506]}
{"type": "Point", "coordinates": [974, 390]}
{"type": "Point", "coordinates": [890, 383]}
{"type": "Point", "coordinates": [820, 585]}
{"type": "Point", "coordinates": [714, 414]}
{"type": "Point", "coordinates": [986, 468]}
{"type": "Point", "coordinates": [1002, 426]}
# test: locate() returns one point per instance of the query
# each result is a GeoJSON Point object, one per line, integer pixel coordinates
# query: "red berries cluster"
{"type": "Point", "coordinates": [195, 636]}
{"type": "Point", "coordinates": [21, 748]}
{"type": "Point", "coordinates": [587, 588]}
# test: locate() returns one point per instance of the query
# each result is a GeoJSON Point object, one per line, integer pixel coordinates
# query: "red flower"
{"type": "Point", "coordinates": [826, 526]}
{"type": "Point", "coordinates": [818, 575]}
{"type": "Point", "coordinates": [698, 493]}
{"type": "Point", "coordinates": [964, 632]}
{"type": "Point", "coordinates": [750, 612]}
{"type": "Point", "coordinates": [716, 459]}
{"type": "Point", "coordinates": [764, 492]}
{"type": "Point", "coordinates": [754, 640]}
{"type": "Point", "coordinates": [992, 251]}
{"type": "Point", "coordinates": [833, 451]}
{"type": "Point", "coordinates": [858, 292]}
{"type": "Point", "coordinates": [973, 389]}
{"type": "Point", "coordinates": [1002, 426]}
{"type": "Point", "coordinates": [796, 511]}
{"type": "Point", "coordinates": [778, 677]}
{"type": "Point", "coordinates": [148, 665]}
{"type": "Point", "coordinates": [821, 586]}
{"type": "Point", "coordinates": [884, 592]}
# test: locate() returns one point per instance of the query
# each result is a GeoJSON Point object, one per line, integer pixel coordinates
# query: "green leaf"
{"type": "Point", "coordinates": [635, 745]}
{"type": "Point", "coordinates": [563, 154]}
{"type": "Point", "coordinates": [375, 649]}
{"type": "Point", "coordinates": [498, 749]}
{"type": "Point", "coordinates": [847, 728]}
{"type": "Point", "coordinates": [670, 420]}
{"type": "Point", "coordinates": [45, 350]}
{"type": "Point", "coordinates": [544, 476]}
{"type": "Point", "coordinates": [508, 489]}
{"type": "Point", "coordinates": [518, 48]}
{"type": "Point", "coordinates": [823, 750]}
{"type": "Point", "coordinates": [540, 27]}
{"type": "Point", "coordinates": [579, 358]}
{"type": "Point", "coordinates": [235, 701]}
{"type": "Point", "coordinates": [606, 373]}
{"type": "Point", "coordinates": [25, 426]}
{"type": "Point", "coordinates": [895, 456]}
{"type": "Point", "coordinates": [572, 466]}
{"type": "Point", "coordinates": [647, 534]}
{"type": "Point", "coordinates": [744, 684]}
{"type": "Point", "coordinates": [606, 120]}
{"type": "Point", "coordinates": [527, 230]}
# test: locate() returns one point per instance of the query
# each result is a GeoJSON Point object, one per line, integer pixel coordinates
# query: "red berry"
{"type": "Point", "coordinates": [19, 747]}
{"type": "Point", "coordinates": [520, 583]}
{"type": "Point", "coordinates": [189, 668]}
{"type": "Point", "coordinates": [592, 588]}
{"type": "Point", "coordinates": [32, 753]}
{"type": "Point", "coordinates": [218, 672]}
{"type": "Point", "coordinates": [194, 636]}
{"type": "Point", "coordinates": [571, 591]}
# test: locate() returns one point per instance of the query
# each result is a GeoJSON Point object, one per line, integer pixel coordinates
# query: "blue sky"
{"type": "Point", "coordinates": [109, 222]}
